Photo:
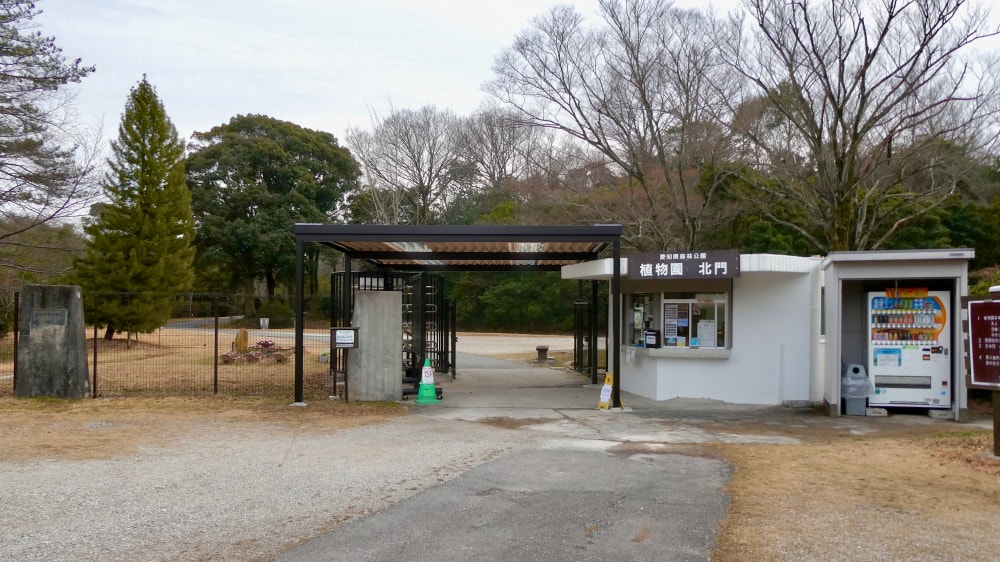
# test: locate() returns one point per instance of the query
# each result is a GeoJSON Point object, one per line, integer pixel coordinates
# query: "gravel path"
{"type": "Point", "coordinates": [228, 494]}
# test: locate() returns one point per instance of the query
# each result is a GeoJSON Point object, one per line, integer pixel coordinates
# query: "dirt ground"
{"type": "Point", "coordinates": [917, 493]}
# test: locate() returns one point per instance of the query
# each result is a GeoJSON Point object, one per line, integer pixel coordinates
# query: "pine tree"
{"type": "Point", "coordinates": [45, 173]}
{"type": "Point", "coordinates": [140, 243]}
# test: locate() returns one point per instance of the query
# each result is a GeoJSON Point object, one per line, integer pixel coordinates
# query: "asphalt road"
{"type": "Point", "coordinates": [590, 488]}
{"type": "Point", "coordinates": [579, 502]}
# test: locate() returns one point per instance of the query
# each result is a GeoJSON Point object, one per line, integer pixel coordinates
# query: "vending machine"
{"type": "Point", "coordinates": [909, 355]}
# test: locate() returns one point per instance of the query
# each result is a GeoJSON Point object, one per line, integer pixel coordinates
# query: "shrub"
{"type": "Point", "coordinates": [279, 315]}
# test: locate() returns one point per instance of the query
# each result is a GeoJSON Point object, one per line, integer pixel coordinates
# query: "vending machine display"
{"type": "Point", "coordinates": [908, 352]}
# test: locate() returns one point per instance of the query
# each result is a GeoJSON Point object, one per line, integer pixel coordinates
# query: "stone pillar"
{"type": "Point", "coordinates": [375, 368]}
{"type": "Point", "coordinates": [52, 350]}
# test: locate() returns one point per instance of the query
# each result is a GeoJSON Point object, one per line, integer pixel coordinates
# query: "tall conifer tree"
{"type": "Point", "coordinates": [140, 242]}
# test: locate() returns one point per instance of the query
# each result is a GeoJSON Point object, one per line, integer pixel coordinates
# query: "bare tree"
{"type": "Point", "coordinates": [47, 162]}
{"type": "Point", "coordinates": [854, 109]}
{"type": "Point", "coordinates": [498, 145]}
{"type": "Point", "coordinates": [407, 159]}
{"type": "Point", "coordinates": [638, 89]}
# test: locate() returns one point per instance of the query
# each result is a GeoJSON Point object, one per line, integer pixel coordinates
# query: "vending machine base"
{"type": "Point", "coordinates": [855, 406]}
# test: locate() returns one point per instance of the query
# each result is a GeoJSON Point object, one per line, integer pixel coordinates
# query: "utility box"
{"type": "Point", "coordinates": [651, 338]}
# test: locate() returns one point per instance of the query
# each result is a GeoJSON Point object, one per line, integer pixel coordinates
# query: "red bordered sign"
{"type": "Point", "coordinates": [984, 343]}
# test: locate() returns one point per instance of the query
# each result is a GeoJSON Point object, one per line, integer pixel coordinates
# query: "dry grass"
{"type": "Point", "coordinates": [181, 362]}
{"type": "Point", "coordinates": [42, 428]}
{"type": "Point", "coordinates": [886, 498]}
{"type": "Point", "coordinates": [900, 494]}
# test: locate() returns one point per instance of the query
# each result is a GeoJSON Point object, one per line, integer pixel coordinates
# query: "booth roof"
{"type": "Point", "coordinates": [465, 248]}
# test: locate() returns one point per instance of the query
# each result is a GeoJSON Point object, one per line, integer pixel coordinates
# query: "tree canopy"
{"type": "Point", "coordinates": [842, 121]}
{"type": "Point", "coordinates": [251, 180]}
{"type": "Point", "coordinates": [863, 114]}
{"type": "Point", "coordinates": [638, 89]}
{"type": "Point", "coordinates": [410, 161]}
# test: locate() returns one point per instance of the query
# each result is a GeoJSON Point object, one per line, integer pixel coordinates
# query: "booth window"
{"type": "Point", "coordinates": [639, 316]}
{"type": "Point", "coordinates": [695, 320]}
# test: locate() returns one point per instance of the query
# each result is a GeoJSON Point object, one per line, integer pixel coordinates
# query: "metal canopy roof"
{"type": "Point", "coordinates": [464, 248]}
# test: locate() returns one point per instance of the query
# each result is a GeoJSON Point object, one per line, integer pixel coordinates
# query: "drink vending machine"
{"type": "Point", "coordinates": [908, 353]}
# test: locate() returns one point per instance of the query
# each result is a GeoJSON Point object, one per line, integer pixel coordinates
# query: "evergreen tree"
{"type": "Point", "coordinates": [253, 178]}
{"type": "Point", "coordinates": [140, 243]}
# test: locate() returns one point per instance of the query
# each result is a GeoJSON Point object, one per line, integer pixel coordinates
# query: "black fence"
{"type": "Point", "coordinates": [586, 319]}
{"type": "Point", "coordinates": [210, 346]}
{"type": "Point", "coordinates": [428, 321]}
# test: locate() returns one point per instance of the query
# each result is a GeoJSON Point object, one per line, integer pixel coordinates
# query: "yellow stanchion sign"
{"type": "Point", "coordinates": [605, 402]}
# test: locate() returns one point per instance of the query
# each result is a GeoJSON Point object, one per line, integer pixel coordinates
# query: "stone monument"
{"type": "Point", "coordinates": [52, 349]}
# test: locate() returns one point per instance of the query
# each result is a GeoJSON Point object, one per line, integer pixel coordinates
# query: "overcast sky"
{"type": "Point", "coordinates": [319, 63]}
{"type": "Point", "coordinates": [322, 64]}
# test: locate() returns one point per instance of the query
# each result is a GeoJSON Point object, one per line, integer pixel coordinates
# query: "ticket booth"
{"type": "Point", "coordinates": [717, 325]}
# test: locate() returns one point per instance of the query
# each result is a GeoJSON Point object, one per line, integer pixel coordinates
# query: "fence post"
{"type": "Point", "coordinates": [93, 387]}
{"type": "Point", "coordinates": [215, 355]}
{"type": "Point", "coordinates": [17, 333]}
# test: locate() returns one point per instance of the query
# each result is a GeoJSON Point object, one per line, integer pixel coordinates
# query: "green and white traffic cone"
{"type": "Point", "coordinates": [427, 394]}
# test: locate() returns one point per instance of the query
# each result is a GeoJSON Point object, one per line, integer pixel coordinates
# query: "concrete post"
{"type": "Point", "coordinates": [375, 367]}
{"type": "Point", "coordinates": [52, 351]}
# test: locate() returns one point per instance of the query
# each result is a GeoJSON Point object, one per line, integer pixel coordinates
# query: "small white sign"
{"type": "Point", "coordinates": [345, 337]}
{"type": "Point", "coordinates": [606, 394]}
{"type": "Point", "coordinates": [427, 375]}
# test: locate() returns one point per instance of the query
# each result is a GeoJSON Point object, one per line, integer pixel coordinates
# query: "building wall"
{"type": "Point", "coordinates": [773, 349]}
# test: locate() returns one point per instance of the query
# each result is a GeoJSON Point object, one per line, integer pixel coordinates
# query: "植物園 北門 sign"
{"type": "Point", "coordinates": [714, 264]}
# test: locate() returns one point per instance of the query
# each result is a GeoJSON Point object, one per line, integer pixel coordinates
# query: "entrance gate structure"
{"type": "Point", "coordinates": [416, 249]}
{"type": "Point", "coordinates": [428, 319]}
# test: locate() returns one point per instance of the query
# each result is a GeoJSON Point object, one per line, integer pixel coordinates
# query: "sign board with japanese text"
{"type": "Point", "coordinates": [984, 343]}
{"type": "Point", "coordinates": [344, 338]}
{"type": "Point", "coordinates": [712, 264]}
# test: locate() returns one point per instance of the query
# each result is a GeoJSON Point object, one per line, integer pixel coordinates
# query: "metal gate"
{"type": "Point", "coordinates": [428, 321]}
{"type": "Point", "coordinates": [585, 332]}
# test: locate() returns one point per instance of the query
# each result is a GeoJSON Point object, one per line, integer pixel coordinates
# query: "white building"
{"type": "Point", "coordinates": [771, 329]}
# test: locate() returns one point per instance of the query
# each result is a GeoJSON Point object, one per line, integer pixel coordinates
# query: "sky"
{"type": "Point", "coordinates": [322, 64]}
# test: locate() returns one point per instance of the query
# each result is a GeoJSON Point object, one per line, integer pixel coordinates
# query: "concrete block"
{"type": "Point", "coordinates": [854, 406]}
{"type": "Point", "coordinates": [374, 369]}
{"type": "Point", "coordinates": [876, 412]}
{"type": "Point", "coordinates": [52, 351]}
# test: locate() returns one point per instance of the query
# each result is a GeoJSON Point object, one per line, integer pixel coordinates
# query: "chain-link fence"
{"type": "Point", "coordinates": [207, 344]}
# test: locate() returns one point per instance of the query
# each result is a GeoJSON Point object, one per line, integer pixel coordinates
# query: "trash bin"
{"type": "Point", "coordinates": [854, 389]}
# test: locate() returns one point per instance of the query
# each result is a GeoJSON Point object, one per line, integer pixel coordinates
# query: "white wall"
{"type": "Point", "coordinates": [773, 349]}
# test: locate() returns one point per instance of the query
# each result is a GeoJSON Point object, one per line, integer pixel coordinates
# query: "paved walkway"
{"type": "Point", "coordinates": [629, 484]}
